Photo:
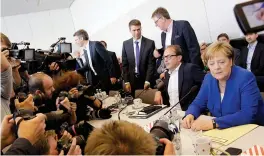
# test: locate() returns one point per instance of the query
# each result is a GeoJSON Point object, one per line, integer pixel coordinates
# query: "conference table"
{"type": "Point", "coordinates": [254, 137]}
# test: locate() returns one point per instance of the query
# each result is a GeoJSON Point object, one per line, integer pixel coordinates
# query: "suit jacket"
{"type": "Point", "coordinates": [237, 54]}
{"type": "Point", "coordinates": [184, 36]}
{"type": "Point", "coordinates": [116, 67]}
{"type": "Point", "coordinates": [241, 104]}
{"type": "Point", "coordinates": [101, 61]}
{"type": "Point", "coordinates": [257, 62]}
{"type": "Point", "coordinates": [146, 63]}
{"type": "Point", "coordinates": [189, 75]}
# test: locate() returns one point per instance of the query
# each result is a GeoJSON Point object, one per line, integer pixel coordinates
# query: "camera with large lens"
{"type": "Point", "coordinates": [37, 98]}
{"type": "Point", "coordinates": [80, 131]}
{"type": "Point", "coordinates": [160, 130]}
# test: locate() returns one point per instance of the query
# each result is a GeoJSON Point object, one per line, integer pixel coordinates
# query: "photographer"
{"type": "Point", "coordinates": [41, 87]}
{"type": "Point", "coordinates": [6, 78]}
{"type": "Point", "coordinates": [88, 106]}
{"type": "Point", "coordinates": [124, 138]}
{"type": "Point", "coordinates": [28, 132]}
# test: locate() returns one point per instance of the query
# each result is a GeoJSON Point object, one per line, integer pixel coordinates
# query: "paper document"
{"type": "Point", "coordinates": [229, 135]}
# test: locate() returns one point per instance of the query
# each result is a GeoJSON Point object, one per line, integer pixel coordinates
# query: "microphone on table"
{"type": "Point", "coordinates": [193, 89]}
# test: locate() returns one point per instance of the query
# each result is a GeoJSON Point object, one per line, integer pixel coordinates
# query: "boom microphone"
{"type": "Point", "coordinates": [193, 89]}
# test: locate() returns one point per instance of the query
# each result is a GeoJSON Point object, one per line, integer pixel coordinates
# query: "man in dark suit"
{"type": "Point", "coordinates": [117, 69]}
{"type": "Point", "coordinates": [178, 33]}
{"type": "Point", "coordinates": [179, 79]}
{"type": "Point", "coordinates": [138, 63]}
{"type": "Point", "coordinates": [252, 56]}
{"type": "Point", "coordinates": [96, 64]}
{"type": "Point", "coordinates": [223, 37]}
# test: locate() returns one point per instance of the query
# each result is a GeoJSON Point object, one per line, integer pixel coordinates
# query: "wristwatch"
{"type": "Point", "coordinates": [214, 124]}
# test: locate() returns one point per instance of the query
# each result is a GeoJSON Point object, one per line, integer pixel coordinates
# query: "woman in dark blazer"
{"type": "Point", "coordinates": [229, 92]}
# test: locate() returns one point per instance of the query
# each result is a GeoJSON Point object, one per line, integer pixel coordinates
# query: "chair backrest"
{"type": "Point", "coordinates": [146, 96]}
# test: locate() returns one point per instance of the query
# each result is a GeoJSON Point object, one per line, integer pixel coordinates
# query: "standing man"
{"type": "Point", "coordinates": [178, 33]}
{"type": "Point", "coordinates": [113, 58]}
{"type": "Point", "coordinates": [223, 37]}
{"type": "Point", "coordinates": [96, 64]}
{"type": "Point", "coordinates": [252, 56]}
{"type": "Point", "coordinates": [138, 63]}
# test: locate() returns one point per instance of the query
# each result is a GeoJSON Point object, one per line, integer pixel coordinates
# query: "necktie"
{"type": "Point", "coordinates": [137, 55]}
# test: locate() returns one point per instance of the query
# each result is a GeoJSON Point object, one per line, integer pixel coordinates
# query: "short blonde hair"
{"type": "Point", "coordinates": [219, 47]}
{"type": "Point", "coordinates": [120, 138]}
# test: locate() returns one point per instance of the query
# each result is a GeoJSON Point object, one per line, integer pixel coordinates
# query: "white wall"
{"type": "Point", "coordinates": [109, 22]}
{"type": "Point", "coordinates": [40, 29]}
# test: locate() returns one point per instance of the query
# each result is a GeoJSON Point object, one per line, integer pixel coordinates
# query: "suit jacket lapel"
{"type": "Point", "coordinates": [255, 54]}
{"type": "Point", "coordinates": [163, 38]}
{"type": "Point", "coordinates": [142, 46]}
{"type": "Point", "coordinates": [174, 32]}
{"type": "Point", "coordinates": [180, 78]}
{"type": "Point", "coordinates": [131, 53]}
{"type": "Point", "coordinates": [91, 52]}
{"type": "Point", "coordinates": [245, 57]}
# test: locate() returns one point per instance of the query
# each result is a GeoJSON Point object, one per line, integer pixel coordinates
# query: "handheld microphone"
{"type": "Point", "coordinates": [193, 89]}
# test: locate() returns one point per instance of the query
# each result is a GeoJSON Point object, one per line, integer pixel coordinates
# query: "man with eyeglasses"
{"type": "Point", "coordinates": [179, 79]}
{"type": "Point", "coordinates": [138, 63]}
{"type": "Point", "coordinates": [178, 33]}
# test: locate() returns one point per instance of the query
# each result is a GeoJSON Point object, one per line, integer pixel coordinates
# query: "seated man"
{"type": "Point", "coordinates": [224, 38]}
{"type": "Point", "coordinates": [229, 92]}
{"type": "Point", "coordinates": [123, 138]}
{"type": "Point", "coordinates": [179, 79]}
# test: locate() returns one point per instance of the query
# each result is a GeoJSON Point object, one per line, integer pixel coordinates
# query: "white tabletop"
{"type": "Point", "coordinates": [255, 137]}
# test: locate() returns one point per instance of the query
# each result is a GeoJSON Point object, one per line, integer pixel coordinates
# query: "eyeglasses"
{"type": "Point", "coordinates": [168, 57]}
{"type": "Point", "coordinates": [157, 20]}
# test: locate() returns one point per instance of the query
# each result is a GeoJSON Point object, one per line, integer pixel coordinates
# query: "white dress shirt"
{"type": "Point", "coordinates": [89, 57]}
{"type": "Point", "coordinates": [168, 35]}
{"type": "Point", "coordinates": [135, 53]}
{"type": "Point", "coordinates": [173, 87]}
{"type": "Point", "coordinates": [251, 49]}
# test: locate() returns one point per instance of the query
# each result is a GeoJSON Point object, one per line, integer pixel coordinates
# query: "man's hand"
{"type": "Point", "coordinates": [74, 92]}
{"type": "Point", "coordinates": [4, 62]}
{"type": "Point", "coordinates": [73, 106]}
{"type": "Point", "coordinates": [156, 54]}
{"type": "Point", "coordinates": [113, 80]}
{"type": "Point", "coordinates": [158, 98]}
{"type": "Point", "coordinates": [66, 103]}
{"type": "Point", "coordinates": [32, 129]}
{"type": "Point", "coordinates": [128, 87]}
{"type": "Point", "coordinates": [169, 147]}
{"type": "Point", "coordinates": [188, 121]}
{"type": "Point", "coordinates": [74, 149]}
{"type": "Point", "coordinates": [202, 124]}
{"type": "Point", "coordinates": [260, 14]}
{"type": "Point", "coordinates": [7, 134]}
{"type": "Point", "coordinates": [66, 137]}
{"type": "Point", "coordinates": [146, 86]}
{"type": "Point", "coordinates": [27, 104]}
{"type": "Point", "coordinates": [54, 66]}
{"type": "Point", "coordinates": [162, 75]}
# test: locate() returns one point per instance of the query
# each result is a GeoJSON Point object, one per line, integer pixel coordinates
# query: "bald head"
{"type": "Point", "coordinates": [41, 82]}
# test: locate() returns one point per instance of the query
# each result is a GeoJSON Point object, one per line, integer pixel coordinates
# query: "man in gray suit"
{"type": "Point", "coordinates": [138, 61]}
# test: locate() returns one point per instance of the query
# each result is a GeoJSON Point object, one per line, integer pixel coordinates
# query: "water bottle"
{"type": "Point", "coordinates": [177, 141]}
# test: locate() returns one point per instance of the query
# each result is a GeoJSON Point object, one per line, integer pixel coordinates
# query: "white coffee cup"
{"type": "Point", "coordinates": [203, 145]}
{"type": "Point", "coordinates": [137, 103]}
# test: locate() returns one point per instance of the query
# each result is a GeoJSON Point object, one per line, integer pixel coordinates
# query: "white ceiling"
{"type": "Point", "coordinates": [15, 7]}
